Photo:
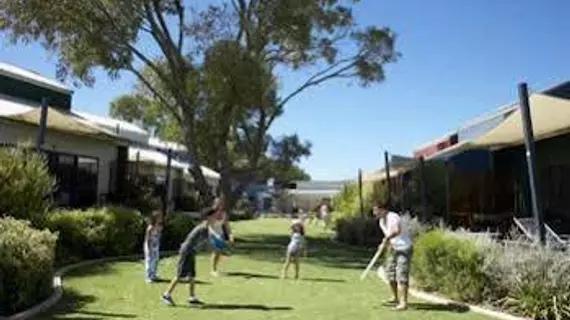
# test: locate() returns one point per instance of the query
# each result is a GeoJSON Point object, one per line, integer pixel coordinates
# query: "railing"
{"type": "Point", "coordinates": [527, 226]}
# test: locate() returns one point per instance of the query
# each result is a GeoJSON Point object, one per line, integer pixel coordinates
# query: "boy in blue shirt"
{"type": "Point", "coordinates": [187, 256]}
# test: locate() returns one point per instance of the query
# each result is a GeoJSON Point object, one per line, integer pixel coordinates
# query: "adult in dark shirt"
{"type": "Point", "coordinates": [187, 256]}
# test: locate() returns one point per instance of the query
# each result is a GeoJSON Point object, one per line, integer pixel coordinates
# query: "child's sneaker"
{"type": "Point", "coordinates": [195, 301]}
{"type": "Point", "coordinates": [215, 274]}
{"type": "Point", "coordinates": [167, 299]}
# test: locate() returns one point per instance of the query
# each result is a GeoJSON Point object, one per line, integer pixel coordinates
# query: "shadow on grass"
{"type": "Point", "coordinates": [450, 307]}
{"type": "Point", "coordinates": [320, 251]}
{"type": "Point", "coordinates": [71, 305]}
{"type": "Point", "coordinates": [249, 275]}
{"type": "Point", "coordinates": [434, 307]}
{"type": "Point", "coordinates": [256, 307]}
{"type": "Point", "coordinates": [93, 270]}
{"type": "Point", "coordinates": [71, 302]}
{"type": "Point", "coordinates": [198, 282]}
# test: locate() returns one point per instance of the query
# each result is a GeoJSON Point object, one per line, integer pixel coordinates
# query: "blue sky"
{"type": "Point", "coordinates": [460, 59]}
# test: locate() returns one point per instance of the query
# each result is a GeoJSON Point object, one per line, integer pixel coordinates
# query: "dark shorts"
{"type": "Point", "coordinates": [187, 266]}
{"type": "Point", "coordinates": [398, 269]}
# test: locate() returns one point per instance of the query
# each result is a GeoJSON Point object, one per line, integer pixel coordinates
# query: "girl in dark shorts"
{"type": "Point", "coordinates": [187, 257]}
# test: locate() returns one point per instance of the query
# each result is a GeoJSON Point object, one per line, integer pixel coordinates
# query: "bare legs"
{"type": "Point", "coordinates": [171, 286]}
{"type": "Point", "coordinates": [403, 296]}
{"type": "Point", "coordinates": [192, 288]}
{"type": "Point", "coordinates": [215, 261]}
{"type": "Point", "coordinates": [394, 287]}
{"type": "Point", "coordinates": [288, 260]}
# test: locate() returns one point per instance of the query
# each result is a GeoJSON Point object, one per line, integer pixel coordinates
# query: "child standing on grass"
{"type": "Point", "coordinates": [151, 245]}
{"type": "Point", "coordinates": [296, 245]}
{"type": "Point", "coordinates": [187, 257]}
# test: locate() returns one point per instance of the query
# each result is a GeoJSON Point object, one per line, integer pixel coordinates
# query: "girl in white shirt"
{"type": "Point", "coordinates": [296, 245]}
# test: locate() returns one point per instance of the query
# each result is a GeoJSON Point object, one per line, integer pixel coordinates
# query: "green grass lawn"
{"type": "Point", "coordinates": [250, 289]}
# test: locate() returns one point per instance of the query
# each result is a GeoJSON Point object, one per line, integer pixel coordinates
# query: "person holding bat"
{"type": "Point", "coordinates": [398, 241]}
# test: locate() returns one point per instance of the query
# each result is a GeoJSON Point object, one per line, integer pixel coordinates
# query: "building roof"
{"type": "Point", "coordinates": [121, 128]}
{"type": "Point", "coordinates": [10, 106]}
{"type": "Point", "coordinates": [61, 121]}
{"type": "Point", "coordinates": [32, 78]}
{"type": "Point", "coordinates": [550, 117]}
{"type": "Point", "coordinates": [160, 159]}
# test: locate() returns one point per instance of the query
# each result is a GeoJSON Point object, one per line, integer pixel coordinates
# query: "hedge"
{"type": "Point", "coordinates": [26, 184]}
{"type": "Point", "coordinates": [448, 265]}
{"type": "Point", "coordinates": [96, 232]}
{"type": "Point", "coordinates": [529, 281]}
{"type": "Point", "coordinates": [175, 230]}
{"type": "Point", "coordinates": [26, 265]}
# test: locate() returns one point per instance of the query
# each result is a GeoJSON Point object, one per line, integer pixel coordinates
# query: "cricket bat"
{"type": "Point", "coordinates": [372, 262]}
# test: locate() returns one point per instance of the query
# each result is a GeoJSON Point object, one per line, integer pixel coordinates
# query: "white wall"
{"type": "Point", "coordinates": [105, 151]}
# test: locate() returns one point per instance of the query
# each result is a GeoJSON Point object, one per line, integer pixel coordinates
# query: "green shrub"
{"type": "Point", "coordinates": [527, 280]}
{"type": "Point", "coordinates": [26, 184]}
{"type": "Point", "coordinates": [358, 231]}
{"type": "Point", "coordinates": [175, 230]}
{"type": "Point", "coordinates": [26, 265]}
{"type": "Point", "coordinates": [449, 265]}
{"type": "Point", "coordinates": [96, 232]}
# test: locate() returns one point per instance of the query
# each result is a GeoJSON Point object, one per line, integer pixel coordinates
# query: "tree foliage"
{"type": "Point", "coordinates": [207, 75]}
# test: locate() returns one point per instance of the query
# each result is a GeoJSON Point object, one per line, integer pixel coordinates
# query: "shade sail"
{"type": "Point", "coordinates": [62, 122]}
{"type": "Point", "coordinates": [550, 117]}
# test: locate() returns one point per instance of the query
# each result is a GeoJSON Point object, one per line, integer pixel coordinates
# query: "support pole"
{"type": "Point", "coordinates": [42, 124]}
{"type": "Point", "coordinates": [423, 189]}
{"type": "Point", "coordinates": [167, 182]}
{"type": "Point", "coordinates": [531, 162]}
{"type": "Point", "coordinates": [447, 191]}
{"type": "Point", "coordinates": [360, 192]}
{"type": "Point", "coordinates": [388, 184]}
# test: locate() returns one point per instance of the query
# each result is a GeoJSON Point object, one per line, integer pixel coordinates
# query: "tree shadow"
{"type": "Point", "coordinates": [321, 251]}
{"type": "Point", "coordinates": [440, 307]}
{"type": "Point", "coordinates": [70, 307]}
{"type": "Point", "coordinates": [71, 302]}
{"type": "Point", "coordinates": [323, 280]}
{"type": "Point", "coordinates": [250, 275]}
{"type": "Point", "coordinates": [96, 269]}
{"type": "Point", "coordinates": [198, 282]}
{"type": "Point", "coordinates": [256, 307]}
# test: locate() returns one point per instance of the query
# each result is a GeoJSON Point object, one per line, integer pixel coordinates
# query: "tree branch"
{"type": "Point", "coordinates": [322, 76]}
{"type": "Point", "coordinates": [180, 10]}
{"type": "Point", "coordinates": [160, 97]}
{"type": "Point", "coordinates": [163, 27]}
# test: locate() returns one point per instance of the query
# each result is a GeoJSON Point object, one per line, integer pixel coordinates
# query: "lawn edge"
{"type": "Point", "coordinates": [440, 300]}
{"type": "Point", "coordinates": [57, 285]}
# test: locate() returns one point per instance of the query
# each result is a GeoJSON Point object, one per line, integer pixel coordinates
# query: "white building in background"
{"type": "Point", "coordinates": [308, 194]}
{"type": "Point", "coordinates": [89, 155]}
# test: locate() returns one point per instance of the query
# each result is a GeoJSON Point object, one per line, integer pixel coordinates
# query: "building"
{"type": "Point", "coordinates": [90, 156]}
{"type": "Point", "coordinates": [308, 194]}
{"type": "Point", "coordinates": [488, 170]}
{"type": "Point", "coordinates": [80, 154]}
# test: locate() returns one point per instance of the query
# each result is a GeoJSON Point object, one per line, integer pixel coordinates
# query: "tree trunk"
{"type": "Point", "coordinates": [206, 196]}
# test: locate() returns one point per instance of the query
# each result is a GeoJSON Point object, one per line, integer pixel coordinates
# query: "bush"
{"type": "Point", "coordinates": [176, 228]}
{"type": "Point", "coordinates": [527, 280]}
{"type": "Point", "coordinates": [26, 184]}
{"type": "Point", "coordinates": [26, 265]}
{"type": "Point", "coordinates": [358, 231]}
{"type": "Point", "coordinates": [96, 232]}
{"type": "Point", "coordinates": [367, 232]}
{"type": "Point", "coordinates": [449, 265]}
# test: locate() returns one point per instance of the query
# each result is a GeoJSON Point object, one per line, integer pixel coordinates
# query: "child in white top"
{"type": "Point", "coordinates": [296, 245]}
